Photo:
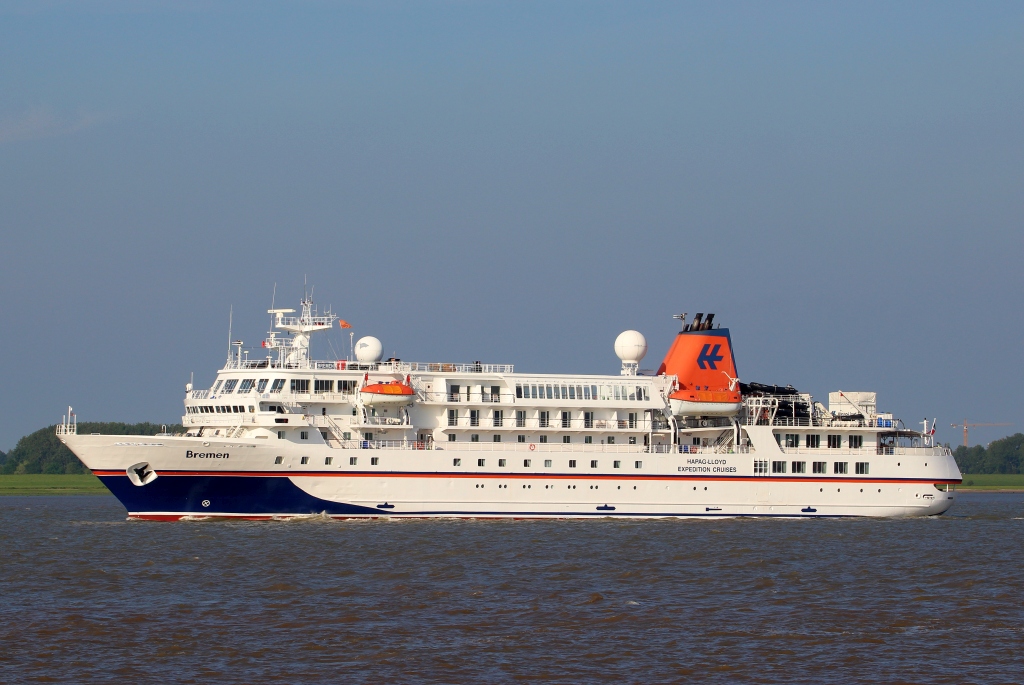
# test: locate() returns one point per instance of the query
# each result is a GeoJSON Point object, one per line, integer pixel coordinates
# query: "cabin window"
{"type": "Point", "coordinates": [792, 439]}
{"type": "Point", "coordinates": [278, 460]}
{"type": "Point", "coordinates": [481, 462]}
{"type": "Point", "coordinates": [519, 391]}
{"type": "Point", "coordinates": [835, 441]}
{"type": "Point", "coordinates": [229, 386]}
{"type": "Point", "coordinates": [374, 461]}
{"type": "Point", "coordinates": [545, 419]}
{"type": "Point", "coordinates": [856, 442]}
{"type": "Point", "coordinates": [632, 440]}
{"type": "Point", "coordinates": [586, 392]}
{"type": "Point", "coordinates": [861, 468]}
{"type": "Point", "coordinates": [520, 418]}
{"type": "Point", "coordinates": [453, 417]}
{"type": "Point", "coordinates": [451, 437]}
{"type": "Point", "coordinates": [280, 435]}
{"type": "Point", "coordinates": [572, 463]}
{"type": "Point", "coordinates": [547, 463]}
{"type": "Point", "coordinates": [820, 467]}
{"type": "Point", "coordinates": [588, 419]}
{"type": "Point", "coordinates": [501, 463]}
{"type": "Point", "coordinates": [814, 441]}
{"type": "Point", "coordinates": [533, 391]}
{"type": "Point", "coordinates": [520, 438]}
{"type": "Point", "coordinates": [323, 386]}
{"type": "Point", "coordinates": [632, 419]}
{"type": "Point", "coordinates": [278, 385]}
{"type": "Point", "coordinates": [303, 435]}
{"type": "Point", "coordinates": [558, 392]}
{"type": "Point", "coordinates": [497, 438]}
{"type": "Point", "coordinates": [262, 385]}
{"type": "Point", "coordinates": [300, 385]}
{"type": "Point", "coordinates": [474, 417]}
{"type": "Point", "coordinates": [352, 461]}
{"type": "Point", "coordinates": [778, 467]}
{"type": "Point", "coordinates": [475, 437]}
{"type": "Point", "coordinates": [760, 466]}
{"type": "Point", "coordinates": [566, 419]}
{"type": "Point", "coordinates": [495, 393]}
{"type": "Point", "coordinates": [347, 435]}
{"type": "Point", "coordinates": [543, 438]}
{"type": "Point", "coordinates": [499, 418]}
{"type": "Point", "coordinates": [840, 468]}
{"type": "Point", "coordinates": [572, 392]}
{"type": "Point", "coordinates": [304, 460]}
{"type": "Point", "coordinates": [456, 462]}
{"type": "Point", "coordinates": [799, 466]}
{"type": "Point", "coordinates": [367, 437]}
{"type": "Point", "coordinates": [252, 409]}
{"type": "Point", "coordinates": [611, 440]}
{"type": "Point", "coordinates": [566, 439]}
{"type": "Point", "coordinates": [550, 393]}
{"type": "Point", "coordinates": [593, 463]}
{"type": "Point", "coordinates": [616, 464]}
{"type": "Point", "coordinates": [638, 464]}
{"type": "Point", "coordinates": [588, 439]}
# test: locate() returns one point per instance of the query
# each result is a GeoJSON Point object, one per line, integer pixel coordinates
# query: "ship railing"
{"type": "Point", "coordinates": [937, 450]}
{"type": "Point", "coordinates": [555, 423]}
{"type": "Point", "coordinates": [199, 394]}
{"type": "Point", "coordinates": [709, 422]}
{"type": "Point", "coordinates": [549, 447]}
{"type": "Point", "coordinates": [396, 366]}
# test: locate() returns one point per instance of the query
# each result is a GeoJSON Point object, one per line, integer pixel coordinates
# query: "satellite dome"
{"type": "Point", "coordinates": [369, 349]}
{"type": "Point", "coordinates": [631, 346]}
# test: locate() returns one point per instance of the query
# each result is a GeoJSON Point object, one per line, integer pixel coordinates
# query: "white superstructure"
{"type": "Point", "coordinates": [287, 435]}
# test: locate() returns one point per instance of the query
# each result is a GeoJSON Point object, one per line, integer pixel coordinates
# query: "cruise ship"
{"type": "Point", "coordinates": [280, 434]}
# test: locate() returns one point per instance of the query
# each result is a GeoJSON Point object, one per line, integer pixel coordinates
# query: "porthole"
{"type": "Point", "coordinates": [838, 489]}
{"type": "Point", "coordinates": [705, 487]}
{"type": "Point", "coordinates": [634, 487]}
{"type": "Point", "coordinates": [821, 489]}
{"type": "Point", "coordinates": [879, 489]}
{"type": "Point", "coordinates": [862, 489]}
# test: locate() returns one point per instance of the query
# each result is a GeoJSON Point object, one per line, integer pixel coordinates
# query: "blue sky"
{"type": "Point", "coordinates": [514, 182]}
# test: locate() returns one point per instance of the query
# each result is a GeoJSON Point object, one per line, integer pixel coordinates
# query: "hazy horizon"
{"type": "Point", "coordinates": [514, 182]}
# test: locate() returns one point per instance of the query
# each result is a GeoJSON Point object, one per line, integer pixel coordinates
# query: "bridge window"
{"type": "Point", "coordinates": [323, 386]}
{"type": "Point", "coordinates": [835, 441]}
{"type": "Point", "coordinates": [300, 385]}
{"type": "Point", "coordinates": [840, 468]}
{"type": "Point", "coordinates": [820, 467]}
{"type": "Point", "coordinates": [814, 441]}
{"type": "Point", "coordinates": [778, 467]}
{"type": "Point", "coordinates": [229, 386]}
{"type": "Point", "coordinates": [799, 466]}
{"type": "Point", "coordinates": [861, 468]}
{"type": "Point", "coordinates": [278, 385]}
{"type": "Point", "coordinates": [246, 386]}
{"type": "Point", "coordinates": [856, 442]}
{"type": "Point", "coordinates": [262, 385]}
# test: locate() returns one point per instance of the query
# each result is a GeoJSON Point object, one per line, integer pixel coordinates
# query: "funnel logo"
{"type": "Point", "coordinates": [709, 355]}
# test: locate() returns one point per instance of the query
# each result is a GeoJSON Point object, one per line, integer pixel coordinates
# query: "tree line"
{"type": "Point", "coordinates": [43, 452]}
{"type": "Point", "coordinates": [1001, 456]}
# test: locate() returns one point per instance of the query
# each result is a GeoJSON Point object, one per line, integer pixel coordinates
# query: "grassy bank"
{"type": "Point", "coordinates": [46, 484]}
{"type": "Point", "coordinates": [993, 481]}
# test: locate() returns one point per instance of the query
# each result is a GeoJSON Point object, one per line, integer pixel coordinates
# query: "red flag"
{"type": "Point", "coordinates": [344, 324]}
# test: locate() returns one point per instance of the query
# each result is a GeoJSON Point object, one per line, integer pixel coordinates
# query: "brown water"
{"type": "Point", "coordinates": [91, 597]}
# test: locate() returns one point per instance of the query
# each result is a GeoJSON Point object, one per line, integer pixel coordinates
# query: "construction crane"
{"type": "Point", "coordinates": [964, 425]}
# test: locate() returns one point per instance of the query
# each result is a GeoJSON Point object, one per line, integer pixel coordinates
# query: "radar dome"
{"type": "Point", "coordinates": [631, 346]}
{"type": "Point", "coordinates": [369, 349]}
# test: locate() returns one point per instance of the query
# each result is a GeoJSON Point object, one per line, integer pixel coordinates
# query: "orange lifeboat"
{"type": "Point", "coordinates": [392, 394]}
{"type": "Point", "coordinates": [701, 359]}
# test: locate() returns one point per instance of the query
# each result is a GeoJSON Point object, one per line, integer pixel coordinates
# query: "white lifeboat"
{"type": "Point", "coordinates": [392, 394]}
{"type": "Point", "coordinates": [705, 403]}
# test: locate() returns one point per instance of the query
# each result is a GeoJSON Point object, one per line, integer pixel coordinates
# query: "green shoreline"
{"type": "Point", "coordinates": [88, 484]}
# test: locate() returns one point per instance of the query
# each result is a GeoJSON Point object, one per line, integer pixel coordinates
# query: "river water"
{"type": "Point", "coordinates": [91, 597]}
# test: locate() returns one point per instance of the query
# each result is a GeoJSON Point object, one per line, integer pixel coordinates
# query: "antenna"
{"type": "Point", "coordinates": [682, 319]}
{"type": "Point", "coordinates": [273, 300]}
{"type": "Point", "coordinates": [231, 311]}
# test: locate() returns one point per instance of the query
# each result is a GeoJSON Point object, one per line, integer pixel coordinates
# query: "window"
{"type": "Point", "coordinates": [229, 386]}
{"type": "Point", "coordinates": [566, 419]}
{"type": "Point", "coordinates": [778, 467]}
{"type": "Point", "coordinates": [374, 461]}
{"type": "Point", "coordinates": [799, 466]}
{"type": "Point", "coordinates": [814, 441]}
{"type": "Point", "coordinates": [632, 440]}
{"type": "Point", "coordinates": [632, 419]}
{"type": "Point", "coordinates": [861, 468]}
{"type": "Point", "coordinates": [278, 460]}
{"type": "Point", "coordinates": [616, 464]}
{"type": "Point", "coordinates": [497, 438]}
{"type": "Point", "coordinates": [262, 385]}
{"type": "Point", "coordinates": [451, 437]}
{"type": "Point", "coordinates": [456, 462]}
{"type": "Point", "coordinates": [246, 386]}
{"type": "Point", "coordinates": [520, 419]}
{"type": "Point", "coordinates": [533, 392]}
{"type": "Point", "coordinates": [216, 385]}
{"type": "Point", "coordinates": [572, 392]}
{"type": "Point", "coordinates": [499, 418]}
{"type": "Point", "coordinates": [495, 393]}
{"type": "Point", "coordinates": [550, 394]}
{"type": "Point", "coordinates": [475, 437]}
{"type": "Point", "coordinates": [572, 463]}
{"type": "Point", "coordinates": [611, 440]}
{"type": "Point", "coordinates": [453, 417]}
{"type": "Point", "coordinates": [367, 437]}
{"type": "Point", "coordinates": [545, 419]}
{"type": "Point", "coordinates": [304, 460]}
{"type": "Point", "coordinates": [638, 464]}
{"type": "Point", "coordinates": [856, 442]}
{"type": "Point", "coordinates": [328, 461]}
{"type": "Point", "coordinates": [588, 439]}
{"type": "Point", "coordinates": [543, 438]}
{"type": "Point", "coordinates": [303, 435]}
{"type": "Point", "coordinates": [835, 441]}
{"type": "Point", "coordinates": [501, 463]}
{"type": "Point", "coordinates": [819, 466]}
{"type": "Point", "coordinates": [566, 439]}
{"type": "Point", "coordinates": [481, 462]}
{"type": "Point", "coordinates": [520, 438]}
{"type": "Point", "coordinates": [323, 386]}
{"type": "Point", "coordinates": [453, 393]}
{"type": "Point", "coordinates": [593, 392]}
{"type": "Point", "coordinates": [352, 461]}
{"type": "Point", "coordinates": [760, 467]}
{"type": "Point", "coordinates": [840, 468]}
{"type": "Point", "coordinates": [278, 385]}
{"type": "Point", "coordinates": [792, 440]}
{"type": "Point", "coordinates": [519, 391]}
{"type": "Point", "coordinates": [474, 417]}
{"type": "Point", "coordinates": [252, 409]}
{"type": "Point", "coordinates": [593, 463]}
{"type": "Point", "coordinates": [280, 435]}
{"type": "Point", "coordinates": [300, 385]}
{"type": "Point", "coordinates": [588, 419]}
{"type": "Point", "coordinates": [347, 435]}
{"type": "Point", "coordinates": [547, 463]}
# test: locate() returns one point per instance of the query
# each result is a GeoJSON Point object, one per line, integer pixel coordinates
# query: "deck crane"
{"type": "Point", "coordinates": [965, 425]}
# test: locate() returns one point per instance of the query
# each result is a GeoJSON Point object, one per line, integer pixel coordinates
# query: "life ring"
{"type": "Point", "coordinates": [532, 447]}
{"type": "Point", "coordinates": [339, 365]}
